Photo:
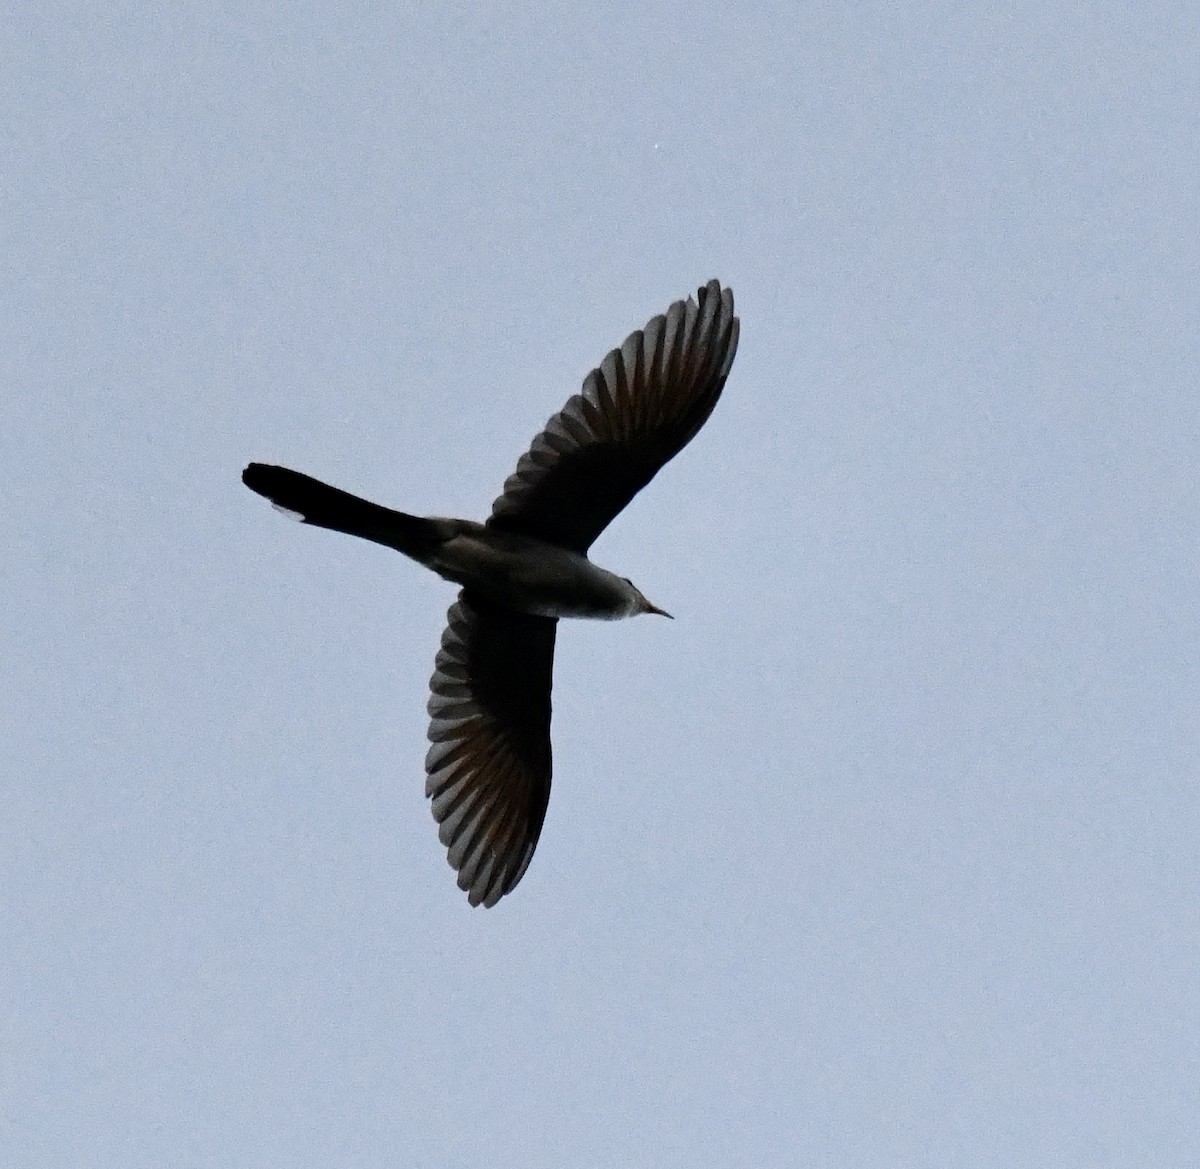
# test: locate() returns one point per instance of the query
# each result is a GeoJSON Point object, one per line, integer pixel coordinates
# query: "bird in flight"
{"type": "Point", "coordinates": [488, 766]}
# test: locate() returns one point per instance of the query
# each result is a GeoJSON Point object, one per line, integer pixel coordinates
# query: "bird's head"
{"type": "Point", "coordinates": [641, 605]}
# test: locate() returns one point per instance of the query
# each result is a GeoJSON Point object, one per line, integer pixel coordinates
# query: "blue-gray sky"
{"type": "Point", "coordinates": [884, 853]}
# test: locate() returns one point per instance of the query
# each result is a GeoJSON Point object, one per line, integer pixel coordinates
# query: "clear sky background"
{"type": "Point", "coordinates": [884, 853]}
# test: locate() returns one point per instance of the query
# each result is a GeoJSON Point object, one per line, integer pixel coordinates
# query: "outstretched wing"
{"type": "Point", "coordinates": [489, 765]}
{"type": "Point", "coordinates": [637, 411]}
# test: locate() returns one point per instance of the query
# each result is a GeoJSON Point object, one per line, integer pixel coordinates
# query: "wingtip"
{"type": "Point", "coordinates": [723, 293]}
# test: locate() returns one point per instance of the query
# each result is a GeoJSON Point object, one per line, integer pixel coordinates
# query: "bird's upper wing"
{"type": "Point", "coordinates": [634, 413]}
{"type": "Point", "coordinates": [489, 765]}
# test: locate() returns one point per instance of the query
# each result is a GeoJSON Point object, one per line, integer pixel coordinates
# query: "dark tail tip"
{"type": "Point", "coordinates": [258, 477]}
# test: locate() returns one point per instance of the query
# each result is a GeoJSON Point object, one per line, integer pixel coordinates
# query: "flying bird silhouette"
{"type": "Point", "coordinates": [488, 766]}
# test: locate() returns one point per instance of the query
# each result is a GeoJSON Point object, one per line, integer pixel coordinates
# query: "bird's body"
{"type": "Point", "coordinates": [489, 764]}
{"type": "Point", "coordinates": [535, 577]}
{"type": "Point", "coordinates": [518, 572]}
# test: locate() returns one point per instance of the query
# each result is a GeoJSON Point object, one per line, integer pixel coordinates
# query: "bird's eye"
{"type": "Point", "coordinates": [627, 581]}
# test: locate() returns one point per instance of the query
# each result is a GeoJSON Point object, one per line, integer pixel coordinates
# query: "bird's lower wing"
{"type": "Point", "coordinates": [489, 763]}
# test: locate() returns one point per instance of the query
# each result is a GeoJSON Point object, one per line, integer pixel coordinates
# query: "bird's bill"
{"type": "Point", "coordinates": [655, 609]}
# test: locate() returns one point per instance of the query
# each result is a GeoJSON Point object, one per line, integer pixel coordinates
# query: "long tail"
{"type": "Point", "coordinates": [323, 506]}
